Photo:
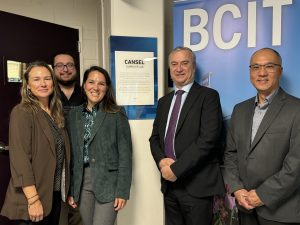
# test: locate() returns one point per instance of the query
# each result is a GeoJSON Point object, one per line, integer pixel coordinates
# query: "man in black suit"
{"type": "Point", "coordinates": [189, 163]}
{"type": "Point", "coordinates": [262, 156]}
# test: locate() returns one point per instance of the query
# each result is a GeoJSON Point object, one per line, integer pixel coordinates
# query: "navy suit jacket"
{"type": "Point", "coordinates": [197, 141]}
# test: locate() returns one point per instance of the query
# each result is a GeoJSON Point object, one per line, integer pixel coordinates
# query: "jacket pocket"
{"type": "Point", "coordinates": [112, 166]}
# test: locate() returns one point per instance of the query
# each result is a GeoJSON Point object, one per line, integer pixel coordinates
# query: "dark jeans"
{"type": "Point", "coordinates": [52, 218]}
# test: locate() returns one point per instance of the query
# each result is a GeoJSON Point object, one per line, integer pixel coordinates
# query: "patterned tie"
{"type": "Point", "coordinates": [169, 140]}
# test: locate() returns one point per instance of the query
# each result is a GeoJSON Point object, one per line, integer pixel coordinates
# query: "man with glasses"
{"type": "Point", "coordinates": [262, 156]}
{"type": "Point", "coordinates": [66, 75]}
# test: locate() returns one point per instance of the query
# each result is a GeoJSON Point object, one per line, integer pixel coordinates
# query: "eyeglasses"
{"type": "Point", "coordinates": [269, 67]}
{"type": "Point", "coordinates": [61, 66]}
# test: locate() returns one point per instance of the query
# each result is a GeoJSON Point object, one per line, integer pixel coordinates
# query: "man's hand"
{"type": "Point", "coordinates": [71, 202]}
{"type": "Point", "coordinates": [166, 162]}
{"type": "Point", "coordinates": [168, 174]}
{"type": "Point", "coordinates": [253, 199]}
{"type": "Point", "coordinates": [241, 196]}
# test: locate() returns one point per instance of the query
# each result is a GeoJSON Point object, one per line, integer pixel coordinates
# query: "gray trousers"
{"type": "Point", "coordinates": [254, 219]}
{"type": "Point", "coordinates": [92, 211]}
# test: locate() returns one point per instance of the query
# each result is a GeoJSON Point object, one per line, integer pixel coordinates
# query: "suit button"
{"type": "Point", "coordinates": [93, 160]}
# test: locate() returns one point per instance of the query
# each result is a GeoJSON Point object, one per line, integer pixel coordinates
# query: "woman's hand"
{"type": "Point", "coordinates": [35, 207]}
{"type": "Point", "coordinates": [119, 204]}
{"type": "Point", "coordinates": [71, 202]}
{"type": "Point", "coordinates": [36, 211]}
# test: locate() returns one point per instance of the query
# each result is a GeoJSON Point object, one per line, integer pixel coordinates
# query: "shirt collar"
{"type": "Point", "coordinates": [94, 109]}
{"type": "Point", "coordinates": [185, 88]}
{"type": "Point", "coordinates": [268, 99]}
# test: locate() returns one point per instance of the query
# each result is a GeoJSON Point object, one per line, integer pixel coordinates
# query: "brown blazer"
{"type": "Point", "coordinates": [32, 161]}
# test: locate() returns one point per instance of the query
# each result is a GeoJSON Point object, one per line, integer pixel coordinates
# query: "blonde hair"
{"type": "Point", "coordinates": [28, 99]}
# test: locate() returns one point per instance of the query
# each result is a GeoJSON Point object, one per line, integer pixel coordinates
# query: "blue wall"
{"type": "Point", "coordinates": [217, 31]}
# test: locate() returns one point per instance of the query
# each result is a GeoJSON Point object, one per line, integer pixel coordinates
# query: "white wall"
{"type": "Point", "coordinates": [79, 14]}
{"type": "Point", "coordinates": [140, 18]}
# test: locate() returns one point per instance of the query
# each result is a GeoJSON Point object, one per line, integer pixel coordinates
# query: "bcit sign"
{"type": "Point", "coordinates": [196, 22]}
{"type": "Point", "coordinates": [224, 34]}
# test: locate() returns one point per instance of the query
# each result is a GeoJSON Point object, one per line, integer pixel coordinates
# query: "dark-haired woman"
{"type": "Point", "coordinates": [39, 151]}
{"type": "Point", "coordinates": [102, 152]}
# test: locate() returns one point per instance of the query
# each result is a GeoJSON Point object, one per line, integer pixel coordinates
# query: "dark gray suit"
{"type": "Point", "coordinates": [271, 164]}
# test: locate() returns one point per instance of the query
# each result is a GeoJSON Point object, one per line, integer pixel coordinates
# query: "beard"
{"type": "Point", "coordinates": [67, 82]}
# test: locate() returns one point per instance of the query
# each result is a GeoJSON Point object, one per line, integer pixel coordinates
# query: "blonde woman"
{"type": "Point", "coordinates": [39, 151]}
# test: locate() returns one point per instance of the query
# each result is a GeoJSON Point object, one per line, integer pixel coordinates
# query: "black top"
{"type": "Point", "coordinates": [75, 99]}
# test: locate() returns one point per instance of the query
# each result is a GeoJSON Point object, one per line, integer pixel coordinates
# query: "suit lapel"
{"type": "Point", "coordinates": [189, 101]}
{"type": "Point", "coordinates": [45, 127]}
{"type": "Point", "coordinates": [270, 116]}
{"type": "Point", "coordinates": [80, 130]}
{"type": "Point", "coordinates": [248, 121]}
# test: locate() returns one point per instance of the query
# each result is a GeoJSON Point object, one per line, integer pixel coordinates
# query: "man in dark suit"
{"type": "Point", "coordinates": [262, 157]}
{"type": "Point", "coordinates": [189, 163]}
